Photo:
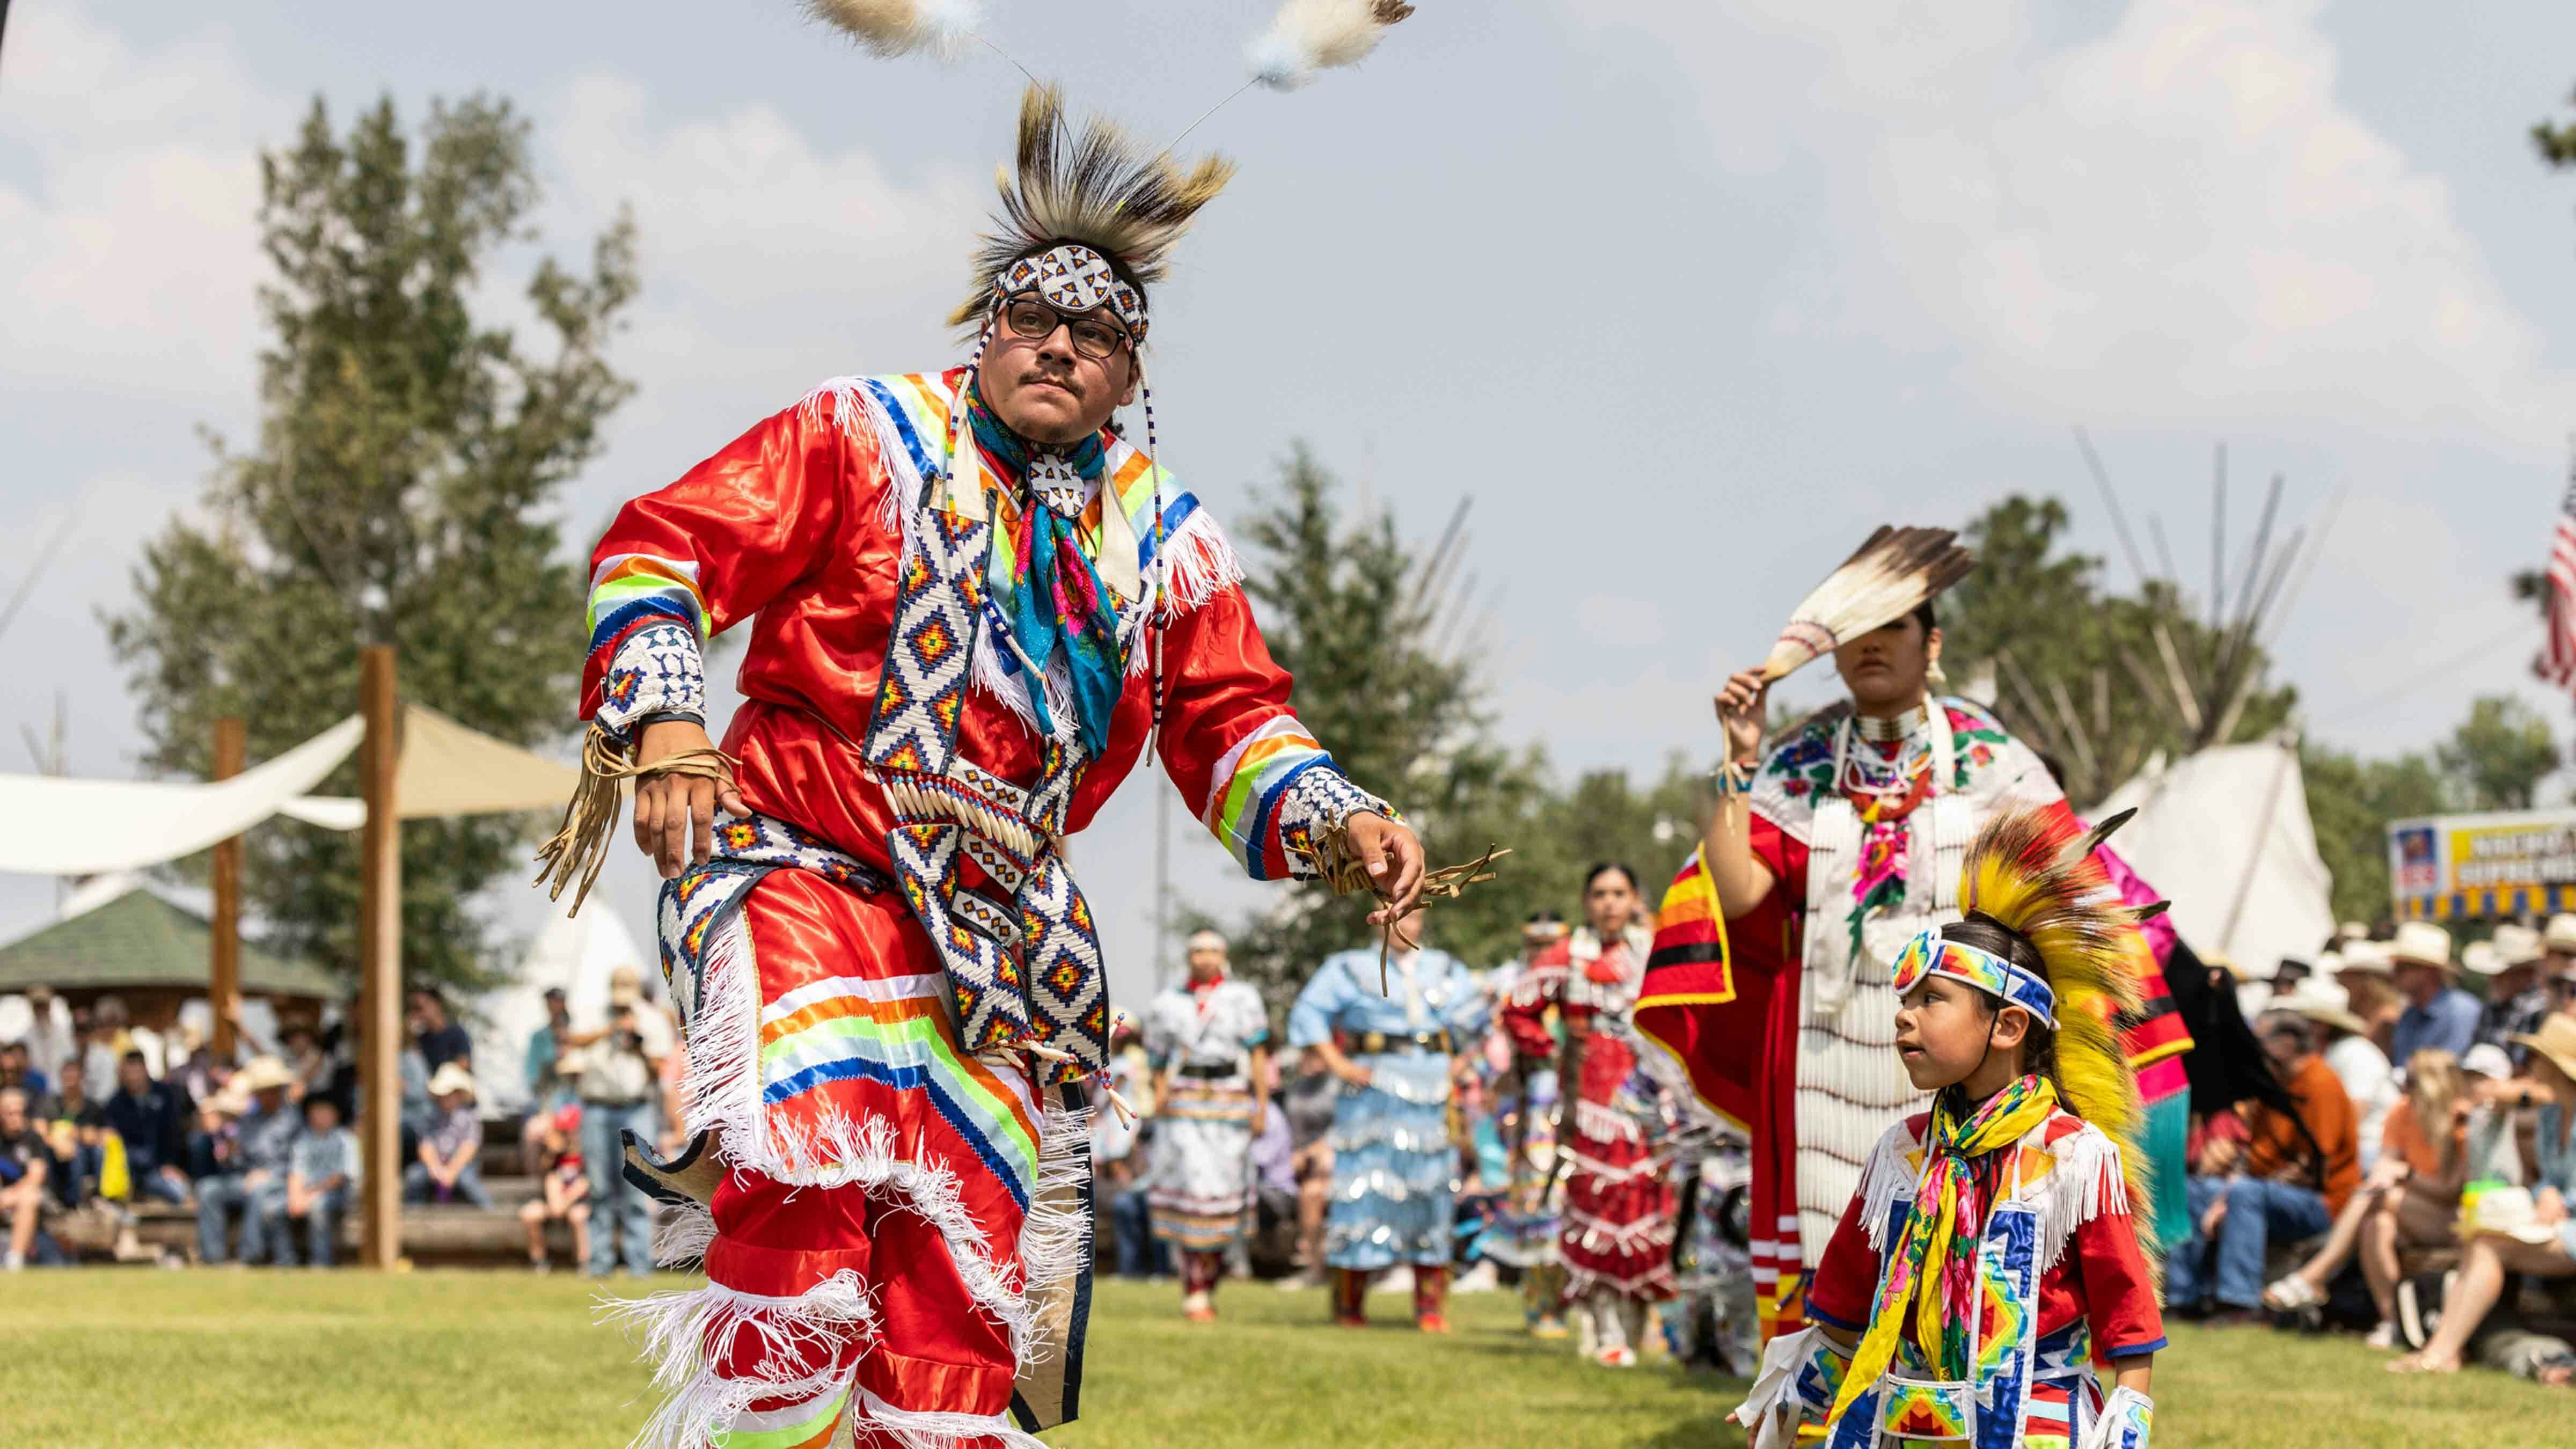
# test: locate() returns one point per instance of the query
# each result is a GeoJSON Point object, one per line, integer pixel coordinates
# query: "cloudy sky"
{"type": "Point", "coordinates": [1687, 295]}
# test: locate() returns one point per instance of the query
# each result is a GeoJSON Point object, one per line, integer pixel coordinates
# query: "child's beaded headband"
{"type": "Point", "coordinates": [1930, 955]}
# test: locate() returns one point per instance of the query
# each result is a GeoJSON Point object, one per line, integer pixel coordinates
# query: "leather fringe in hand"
{"type": "Point", "coordinates": [580, 847]}
{"type": "Point", "coordinates": [1347, 874]}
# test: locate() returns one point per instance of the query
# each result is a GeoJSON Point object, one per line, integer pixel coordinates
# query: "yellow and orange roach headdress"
{"type": "Point", "coordinates": [2034, 873]}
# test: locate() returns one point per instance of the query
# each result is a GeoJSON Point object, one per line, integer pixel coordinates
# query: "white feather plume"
{"type": "Point", "coordinates": [899, 27]}
{"type": "Point", "coordinates": [1312, 35]}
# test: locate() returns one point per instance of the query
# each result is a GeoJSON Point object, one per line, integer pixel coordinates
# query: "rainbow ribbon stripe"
{"type": "Point", "coordinates": [631, 590]}
{"type": "Point", "coordinates": [1929, 955]}
{"type": "Point", "coordinates": [1249, 786]}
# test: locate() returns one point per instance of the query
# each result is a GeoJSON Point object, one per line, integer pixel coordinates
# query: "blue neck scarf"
{"type": "Point", "coordinates": [1052, 599]}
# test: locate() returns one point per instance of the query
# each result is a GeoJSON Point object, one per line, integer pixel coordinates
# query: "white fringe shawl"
{"type": "Point", "coordinates": [2084, 1182]}
{"type": "Point", "coordinates": [1198, 560]}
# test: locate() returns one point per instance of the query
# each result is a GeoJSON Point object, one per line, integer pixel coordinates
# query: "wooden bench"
{"type": "Point", "coordinates": [430, 1234]}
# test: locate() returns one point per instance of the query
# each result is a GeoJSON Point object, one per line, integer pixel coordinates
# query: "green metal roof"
{"type": "Point", "coordinates": [137, 940]}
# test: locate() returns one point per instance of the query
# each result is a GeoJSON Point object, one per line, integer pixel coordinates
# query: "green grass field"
{"type": "Point", "coordinates": [231, 1360]}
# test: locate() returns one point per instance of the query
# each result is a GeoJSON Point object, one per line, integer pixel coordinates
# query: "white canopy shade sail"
{"type": "Point", "coordinates": [84, 827]}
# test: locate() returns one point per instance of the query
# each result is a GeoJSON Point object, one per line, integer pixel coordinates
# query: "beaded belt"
{"type": "Point", "coordinates": [1378, 1043]}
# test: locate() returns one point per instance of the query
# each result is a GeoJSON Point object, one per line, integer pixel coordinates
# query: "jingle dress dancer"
{"type": "Point", "coordinates": [1395, 1161]}
{"type": "Point", "coordinates": [1822, 860]}
{"type": "Point", "coordinates": [975, 602]}
{"type": "Point", "coordinates": [1209, 1040]}
{"type": "Point", "coordinates": [1995, 1260]}
{"type": "Point", "coordinates": [1616, 1237]}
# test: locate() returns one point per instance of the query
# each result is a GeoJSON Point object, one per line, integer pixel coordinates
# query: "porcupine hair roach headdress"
{"type": "Point", "coordinates": [1095, 188]}
{"type": "Point", "coordinates": [1089, 220]}
{"type": "Point", "coordinates": [2033, 886]}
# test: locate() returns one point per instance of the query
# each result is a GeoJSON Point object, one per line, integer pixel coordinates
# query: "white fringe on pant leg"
{"type": "Point", "coordinates": [682, 1233]}
{"type": "Point", "coordinates": [679, 1327]}
{"type": "Point", "coordinates": [925, 1430]}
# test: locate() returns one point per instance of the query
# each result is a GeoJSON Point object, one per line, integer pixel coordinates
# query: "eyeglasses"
{"type": "Point", "coordinates": [1035, 320]}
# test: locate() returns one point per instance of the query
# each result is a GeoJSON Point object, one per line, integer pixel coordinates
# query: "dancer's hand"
{"type": "Point", "coordinates": [1353, 1074]}
{"type": "Point", "coordinates": [1742, 712]}
{"type": "Point", "coordinates": [675, 814]}
{"type": "Point", "coordinates": [1393, 856]}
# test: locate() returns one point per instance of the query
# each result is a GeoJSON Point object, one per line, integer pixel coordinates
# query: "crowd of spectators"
{"type": "Point", "coordinates": [2402, 1159]}
{"type": "Point", "coordinates": [101, 1120]}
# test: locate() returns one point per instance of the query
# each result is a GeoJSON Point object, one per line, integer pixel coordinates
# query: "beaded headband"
{"type": "Point", "coordinates": [1929, 955]}
{"type": "Point", "coordinates": [1071, 277]}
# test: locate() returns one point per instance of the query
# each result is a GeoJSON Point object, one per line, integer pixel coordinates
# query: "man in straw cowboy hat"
{"type": "Point", "coordinates": [254, 1187]}
{"type": "Point", "coordinates": [2544, 1242]}
{"type": "Point", "coordinates": [2368, 1078]}
{"type": "Point", "coordinates": [2438, 1013]}
{"type": "Point", "coordinates": [979, 604]}
{"type": "Point", "coordinates": [2517, 996]}
{"type": "Point", "coordinates": [1829, 850]}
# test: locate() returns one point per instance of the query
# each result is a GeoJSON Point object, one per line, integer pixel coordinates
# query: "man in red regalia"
{"type": "Point", "coordinates": [977, 605]}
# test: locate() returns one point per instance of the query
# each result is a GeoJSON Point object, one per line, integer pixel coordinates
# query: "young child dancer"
{"type": "Point", "coordinates": [1992, 1257]}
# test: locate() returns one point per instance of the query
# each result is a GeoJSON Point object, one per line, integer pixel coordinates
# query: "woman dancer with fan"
{"type": "Point", "coordinates": [1822, 859]}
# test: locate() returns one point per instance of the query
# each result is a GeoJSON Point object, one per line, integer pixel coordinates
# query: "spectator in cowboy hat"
{"type": "Point", "coordinates": [2362, 970]}
{"type": "Point", "coordinates": [2358, 1063]}
{"type": "Point", "coordinates": [447, 1168]}
{"type": "Point", "coordinates": [2516, 996]}
{"type": "Point", "coordinates": [253, 1184]}
{"type": "Point", "coordinates": [2546, 1245]}
{"type": "Point", "coordinates": [2438, 1013]}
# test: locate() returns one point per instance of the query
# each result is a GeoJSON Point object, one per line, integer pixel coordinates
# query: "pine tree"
{"type": "Point", "coordinates": [409, 458]}
{"type": "Point", "coordinates": [1371, 631]}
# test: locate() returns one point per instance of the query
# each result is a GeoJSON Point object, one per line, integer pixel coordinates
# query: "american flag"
{"type": "Point", "coordinates": [2559, 663]}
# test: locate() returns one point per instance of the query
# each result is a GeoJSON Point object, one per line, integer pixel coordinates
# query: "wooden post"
{"type": "Point", "coordinates": [380, 959]}
{"type": "Point", "coordinates": [223, 991]}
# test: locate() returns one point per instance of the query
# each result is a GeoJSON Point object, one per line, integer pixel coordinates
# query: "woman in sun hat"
{"type": "Point", "coordinates": [2493, 1255]}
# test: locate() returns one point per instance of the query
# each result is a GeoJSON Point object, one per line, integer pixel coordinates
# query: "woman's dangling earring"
{"type": "Point", "coordinates": [1933, 675]}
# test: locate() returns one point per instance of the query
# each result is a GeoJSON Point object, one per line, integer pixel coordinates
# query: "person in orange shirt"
{"type": "Point", "coordinates": [2289, 1180]}
{"type": "Point", "coordinates": [2411, 1199]}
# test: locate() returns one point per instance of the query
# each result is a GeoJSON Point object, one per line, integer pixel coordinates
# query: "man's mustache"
{"type": "Point", "coordinates": [1063, 380]}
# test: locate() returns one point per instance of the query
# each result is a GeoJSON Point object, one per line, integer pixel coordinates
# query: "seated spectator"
{"type": "Point", "coordinates": [26, 1167]}
{"type": "Point", "coordinates": [563, 1187]}
{"type": "Point", "coordinates": [2494, 1094]}
{"type": "Point", "coordinates": [2368, 1079]}
{"type": "Point", "coordinates": [2517, 999]}
{"type": "Point", "coordinates": [2548, 1248]}
{"type": "Point", "coordinates": [305, 1058]}
{"type": "Point", "coordinates": [18, 1073]}
{"type": "Point", "coordinates": [254, 1181]}
{"type": "Point", "coordinates": [321, 1178]}
{"type": "Point", "coordinates": [447, 1168]}
{"type": "Point", "coordinates": [151, 1118]}
{"type": "Point", "coordinates": [2289, 1181]}
{"type": "Point", "coordinates": [2410, 1200]}
{"type": "Point", "coordinates": [86, 1154]}
{"type": "Point", "coordinates": [437, 1035]}
{"type": "Point", "coordinates": [2438, 1013]}
{"type": "Point", "coordinates": [112, 1035]}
